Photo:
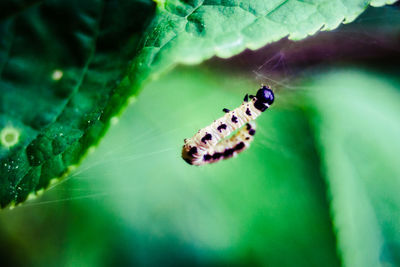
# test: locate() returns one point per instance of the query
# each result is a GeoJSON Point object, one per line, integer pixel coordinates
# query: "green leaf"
{"type": "Point", "coordinates": [266, 207]}
{"type": "Point", "coordinates": [65, 69]}
{"type": "Point", "coordinates": [357, 125]}
{"type": "Point", "coordinates": [62, 69]}
{"type": "Point", "coordinates": [191, 31]}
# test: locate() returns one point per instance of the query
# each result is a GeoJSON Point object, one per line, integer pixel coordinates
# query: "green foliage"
{"type": "Point", "coordinates": [136, 203]}
{"type": "Point", "coordinates": [64, 66]}
{"type": "Point", "coordinates": [357, 127]}
{"type": "Point", "coordinates": [318, 186]}
{"type": "Point", "coordinates": [191, 31]}
{"type": "Point", "coordinates": [63, 76]}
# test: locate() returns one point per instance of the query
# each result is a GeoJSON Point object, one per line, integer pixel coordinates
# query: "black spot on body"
{"type": "Point", "coordinates": [239, 146]}
{"type": "Point", "coordinates": [252, 132]}
{"type": "Point", "coordinates": [248, 126]}
{"type": "Point", "coordinates": [206, 137]}
{"type": "Point", "coordinates": [225, 110]}
{"type": "Point", "coordinates": [217, 155]}
{"type": "Point", "coordinates": [248, 112]}
{"type": "Point", "coordinates": [260, 106]}
{"type": "Point", "coordinates": [234, 119]}
{"type": "Point", "coordinates": [192, 151]}
{"type": "Point", "coordinates": [188, 161]}
{"type": "Point", "coordinates": [221, 127]}
{"type": "Point", "coordinates": [228, 152]}
{"type": "Point", "coordinates": [246, 98]}
{"type": "Point", "coordinates": [207, 157]}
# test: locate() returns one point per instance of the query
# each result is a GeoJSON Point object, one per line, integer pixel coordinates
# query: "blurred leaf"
{"type": "Point", "coordinates": [250, 210]}
{"type": "Point", "coordinates": [266, 207]}
{"type": "Point", "coordinates": [357, 125]}
{"type": "Point", "coordinates": [64, 66]}
{"type": "Point", "coordinates": [191, 31]}
{"type": "Point", "coordinates": [62, 69]}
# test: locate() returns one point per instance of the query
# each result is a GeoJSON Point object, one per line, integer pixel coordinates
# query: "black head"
{"type": "Point", "coordinates": [265, 95]}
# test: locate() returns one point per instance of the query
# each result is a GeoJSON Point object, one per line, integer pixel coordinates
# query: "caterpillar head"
{"type": "Point", "coordinates": [265, 95]}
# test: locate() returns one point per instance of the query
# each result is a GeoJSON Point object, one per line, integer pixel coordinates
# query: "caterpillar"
{"type": "Point", "coordinates": [210, 145]}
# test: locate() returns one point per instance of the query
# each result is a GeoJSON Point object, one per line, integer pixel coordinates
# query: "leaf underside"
{"type": "Point", "coordinates": [62, 78]}
{"type": "Point", "coordinates": [189, 32]}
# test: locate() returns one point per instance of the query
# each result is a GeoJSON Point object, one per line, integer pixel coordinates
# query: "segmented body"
{"type": "Point", "coordinates": [210, 145]}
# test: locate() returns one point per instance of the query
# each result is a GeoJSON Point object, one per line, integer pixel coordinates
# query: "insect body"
{"type": "Point", "coordinates": [209, 144]}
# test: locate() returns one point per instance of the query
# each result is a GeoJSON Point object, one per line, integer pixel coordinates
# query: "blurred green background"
{"type": "Point", "coordinates": [135, 201]}
{"type": "Point", "coordinates": [318, 186]}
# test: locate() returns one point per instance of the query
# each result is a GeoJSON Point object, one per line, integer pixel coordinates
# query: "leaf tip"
{"type": "Point", "coordinates": [90, 150]}
{"type": "Point", "coordinates": [31, 195]}
{"type": "Point", "coordinates": [131, 100]}
{"type": "Point", "coordinates": [160, 3]}
{"type": "Point", "coordinates": [114, 120]}
{"type": "Point", "coordinates": [53, 181]}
